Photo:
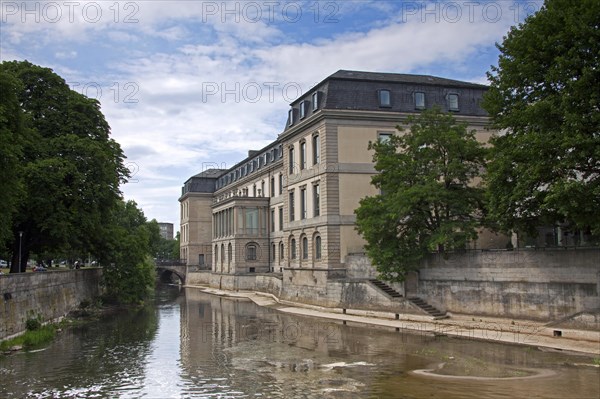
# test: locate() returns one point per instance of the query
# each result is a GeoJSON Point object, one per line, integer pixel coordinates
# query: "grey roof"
{"type": "Point", "coordinates": [402, 78]}
{"type": "Point", "coordinates": [211, 173]}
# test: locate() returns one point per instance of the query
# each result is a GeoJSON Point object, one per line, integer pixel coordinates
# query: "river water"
{"type": "Point", "coordinates": [194, 345]}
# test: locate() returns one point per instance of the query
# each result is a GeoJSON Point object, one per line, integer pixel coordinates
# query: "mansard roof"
{"type": "Point", "coordinates": [402, 78]}
{"type": "Point", "coordinates": [359, 91]}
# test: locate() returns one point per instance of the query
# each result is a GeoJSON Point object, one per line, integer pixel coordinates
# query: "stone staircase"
{"type": "Point", "coordinates": [432, 311]}
{"type": "Point", "coordinates": [385, 288]}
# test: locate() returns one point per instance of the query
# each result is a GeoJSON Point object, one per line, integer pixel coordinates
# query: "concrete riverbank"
{"type": "Point", "coordinates": [521, 332]}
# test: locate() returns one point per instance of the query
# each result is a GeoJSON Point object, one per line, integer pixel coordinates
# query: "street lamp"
{"type": "Point", "coordinates": [20, 240]}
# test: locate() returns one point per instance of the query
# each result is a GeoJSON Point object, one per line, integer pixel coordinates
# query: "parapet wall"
{"type": "Point", "coordinates": [50, 295]}
{"type": "Point", "coordinates": [536, 284]}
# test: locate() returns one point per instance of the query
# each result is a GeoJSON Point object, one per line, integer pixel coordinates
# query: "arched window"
{"type": "Point", "coordinates": [251, 251]}
{"type": "Point", "coordinates": [281, 253]}
{"type": "Point", "coordinates": [229, 254]}
{"type": "Point", "coordinates": [304, 247]}
{"type": "Point", "coordinates": [317, 247]}
{"type": "Point", "coordinates": [293, 249]}
{"type": "Point", "coordinates": [216, 257]}
{"type": "Point", "coordinates": [222, 255]}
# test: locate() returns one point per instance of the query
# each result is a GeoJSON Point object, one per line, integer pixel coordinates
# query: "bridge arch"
{"type": "Point", "coordinates": [165, 271]}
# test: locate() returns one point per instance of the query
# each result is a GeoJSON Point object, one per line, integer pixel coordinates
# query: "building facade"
{"type": "Point", "coordinates": [289, 207]}
{"type": "Point", "coordinates": [166, 230]}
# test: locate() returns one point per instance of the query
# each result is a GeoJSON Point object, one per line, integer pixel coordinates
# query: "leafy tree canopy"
{"type": "Point", "coordinates": [428, 201]}
{"type": "Point", "coordinates": [12, 132]}
{"type": "Point", "coordinates": [545, 98]}
{"type": "Point", "coordinates": [70, 168]}
{"type": "Point", "coordinates": [129, 270]}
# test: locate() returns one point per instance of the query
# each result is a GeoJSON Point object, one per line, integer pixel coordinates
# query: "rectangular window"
{"type": "Point", "coordinates": [452, 102]}
{"type": "Point", "coordinates": [291, 161]}
{"type": "Point", "coordinates": [419, 100]}
{"type": "Point", "coordinates": [272, 188]}
{"type": "Point", "coordinates": [317, 199]}
{"type": "Point", "coordinates": [303, 203]}
{"type": "Point", "coordinates": [385, 98]}
{"type": "Point", "coordinates": [303, 155]}
{"type": "Point", "coordinates": [251, 253]}
{"type": "Point", "coordinates": [252, 221]}
{"type": "Point", "coordinates": [303, 108]}
{"type": "Point", "coordinates": [384, 137]}
{"type": "Point", "coordinates": [281, 219]}
{"type": "Point", "coordinates": [272, 220]}
{"type": "Point", "coordinates": [291, 117]}
{"type": "Point", "coordinates": [292, 206]}
{"type": "Point", "coordinates": [315, 101]}
{"type": "Point", "coordinates": [280, 183]}
{"type": "Point", "coordinates": [316, 149]}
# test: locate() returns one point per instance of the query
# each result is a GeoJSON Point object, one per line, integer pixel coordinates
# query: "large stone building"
{"type": "Point", "coordinates": [289, 207]}
{"type": "Point", "coordinates": [165, 230]}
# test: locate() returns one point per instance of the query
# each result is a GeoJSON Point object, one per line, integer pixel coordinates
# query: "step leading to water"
{"type": "Point", "coordinates": [385, 288]}
{"type": "Point", "coordinates": [431, 310]}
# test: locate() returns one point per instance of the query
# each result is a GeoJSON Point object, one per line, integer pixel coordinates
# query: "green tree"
{"type": "Point", "coordinates": [428, 201]}
{"type": "Point", "coordinates": [71, 168]}
{"type": "Point", "coordinates": [12, 134]}
{"type": "Point", "coordinates": [129, 270]}
{"type": "Point", "coordinates": [175, 249]}
{"type": "Point", "coordinates": [545, 166]}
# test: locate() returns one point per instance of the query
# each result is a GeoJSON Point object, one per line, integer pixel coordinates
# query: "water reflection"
{"type": "Point", "coordinates": [192, 344]}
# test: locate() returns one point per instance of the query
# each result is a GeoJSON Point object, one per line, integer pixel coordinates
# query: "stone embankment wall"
{"type": "Point", "coordinates": [535, 284]}
{"type": "Point", "coordinates": [538, 284]}
{"type": "Point", "coordinates": [49, 295]}
{"type": "Point", "coordinates": [339, 293]}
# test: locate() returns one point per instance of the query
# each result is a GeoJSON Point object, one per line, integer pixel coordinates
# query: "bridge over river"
{"type": "Point", "coordinates": [167, 267]}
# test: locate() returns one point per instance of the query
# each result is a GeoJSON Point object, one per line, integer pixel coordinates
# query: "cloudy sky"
{"type": "Point", "coordinates": [189, 85]}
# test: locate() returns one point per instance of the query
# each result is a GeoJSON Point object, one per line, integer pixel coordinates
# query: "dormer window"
{"type": "Point", "coordinates": [452, 100]}
{"type": "Point", "coordinates": [385, 98]}
{"type": "Point", "coordinates": [419, 100]}
{"type": "Point", "coordinates": [291, 117]}
{"type": "Point", "coordinates": [315, 101]}
{"type": "Point", "coordinates": [303, 108]}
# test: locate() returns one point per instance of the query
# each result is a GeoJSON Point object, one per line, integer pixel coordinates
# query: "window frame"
{"type": "Point", "coordinates": [303, 203]}
{"type": "Point", "coordinates": [303, 154]}
{"type": "Point", "coordinates": [315, 101]}
{"type": "Point", "coordinates": [449, 103]}
{"type": "Point", "coordinates": [292, 205]}
{"type": "Point", "coordinates": [303, 109]}
{"type": "Point", "coordinates": [383, 104]}
{"type": "Point", "coordinates": [251, 252]}
{"type": "Point", "coordinates": [304, 247]}
{"type": "Point", "coordinates": [416, 96]}
{"type": "Point", "coordinates": [316, 199]}
{"type": "Point", "coordinates": [317, 246]}
{"type": "Point", "coordinates": [316, 148]}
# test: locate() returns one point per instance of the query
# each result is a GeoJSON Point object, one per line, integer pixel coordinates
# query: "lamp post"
{"type": "Point", "coordinates": [20, 240]}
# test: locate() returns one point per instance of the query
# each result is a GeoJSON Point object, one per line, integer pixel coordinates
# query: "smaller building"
{"type": "Point", "coordinates": [166, 230]}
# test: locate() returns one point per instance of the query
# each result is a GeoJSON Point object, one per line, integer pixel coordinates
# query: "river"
{"type": "Point", "coordinates": [190, 344]}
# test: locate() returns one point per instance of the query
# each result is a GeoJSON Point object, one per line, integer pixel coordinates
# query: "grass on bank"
{"type": "Point", "coordinates": [31, 339]}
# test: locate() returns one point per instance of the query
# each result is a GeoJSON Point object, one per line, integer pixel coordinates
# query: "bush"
{"type": "Point", "coordinates": [33, 324]}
